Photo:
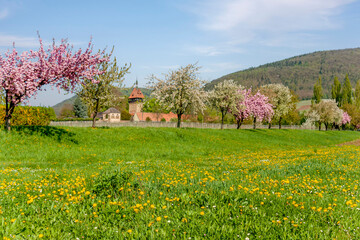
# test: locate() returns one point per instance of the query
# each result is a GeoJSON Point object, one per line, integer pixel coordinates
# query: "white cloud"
{"type": "Point", "coordinates": [8, 40]}
{"type": "Point", "coordinates": [4, 13]}
{"type": "Point", "coordinates": [29, 42]}
{"type": "Point", "coordinates": [221, 67]}
{"type": "Point", "coordinates": [170, 67]}
{"type": "Point", "coordinates": [216, 50]}
{"type": "Point", "coordinates": [269, 15]}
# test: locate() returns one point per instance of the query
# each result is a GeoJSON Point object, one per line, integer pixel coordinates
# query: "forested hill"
{"type": "Point", "coordinates": [301, 72]}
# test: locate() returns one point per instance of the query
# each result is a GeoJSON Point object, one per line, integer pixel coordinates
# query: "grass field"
{"type": "Point", "coordinates": [141, 183]}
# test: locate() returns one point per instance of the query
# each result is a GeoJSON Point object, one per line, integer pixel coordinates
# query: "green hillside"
{"type": "Point", "coordinates": [300, 73]}
{"type": "Point", "coordinates": [58, 106]}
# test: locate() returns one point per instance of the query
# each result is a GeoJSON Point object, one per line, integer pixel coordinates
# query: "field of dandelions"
{"type": "Point", "coordinates": [153, 183]}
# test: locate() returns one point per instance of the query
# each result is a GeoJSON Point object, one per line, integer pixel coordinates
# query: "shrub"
{"type": "Point", "coordinates": [109, 183]}
{"type": "Point", "coordinates": [148, 119]}
{"type": "Point", "coordinates": [163, 120]}
{"type": "Point", "coordinates": [29, 116]}
{"type": "Point", "coordinates": [125, 115]}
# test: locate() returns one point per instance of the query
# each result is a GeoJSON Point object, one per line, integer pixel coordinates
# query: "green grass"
{"type": "Point", "coordinates": [161, 183]}
{"type": "Point", "coordinates": [303, 103]}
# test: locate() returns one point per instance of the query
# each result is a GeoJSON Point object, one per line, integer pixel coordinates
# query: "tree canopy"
{"type": "Point", "coordinates": [180, 91]}
{"type": "Point", "coordinates": [100, 93]}
{"type": "Point", "coordinates": [224, 97]}
{"type": "Point", "coordinates": [23, 75]}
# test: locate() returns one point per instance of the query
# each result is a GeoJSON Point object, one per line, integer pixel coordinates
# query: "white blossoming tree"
{"type": "Point", "coordinates": [280, 98]}
{"type": "Point", "coordinates": [326, 112]}
{"type": "Point", "coordinates": [96, 95]}
{"type": "Point", "coordinates": [224, 97]}
{"type": "Point", "coordinates": [181, 91]}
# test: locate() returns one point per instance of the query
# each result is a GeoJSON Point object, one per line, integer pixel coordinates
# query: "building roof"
{"type": "Point", "coordinates": [136, 93]}
{"type": "Point", "coordinates": [111, 110]}
{"type": "Point", "coordinates": [156, 117]}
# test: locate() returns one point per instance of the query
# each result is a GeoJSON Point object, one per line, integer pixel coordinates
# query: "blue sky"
{"type": "Point", "coordinates": [158, 35]}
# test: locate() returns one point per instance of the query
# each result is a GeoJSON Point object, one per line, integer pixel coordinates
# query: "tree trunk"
{"type": "Point", "coordinates": [319, 126]}
{"type": "Point", "coordinates": [269, 125]}
{"type": "Point", "coordinates": [222, 119]}
{"type": "Point", "coordinates": [9, 109]}
{"type": "Point", "coordinates": [179, 120]}
{"type": "Point", "coordinates": [326, 126]}
{"type": "Point", "coordinates": [93, 120]}
{"type": "Point", "coordinates": [280, 123]}
{"type": "Point", "coordinates": [95, 113]}
{"type": "Point", "coordinates": [239, 123]}
{"type": "Point", "coordinates": [254, 123]}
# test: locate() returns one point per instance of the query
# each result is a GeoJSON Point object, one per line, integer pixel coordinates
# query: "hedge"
{"type": "Point", "coordinates": [29, 116]}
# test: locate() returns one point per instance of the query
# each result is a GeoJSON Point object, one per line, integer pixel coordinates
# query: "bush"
{"type": "Point", "coordinates": [125, 115]}
{"type": "Point", "coordinates": [109, 183]}
{"type": "Point", "coordinates": [163, 120]}
{"type": "Point", "coordinates": [29, 116]}
{"type": "Point", "coordinates": [148, 119]}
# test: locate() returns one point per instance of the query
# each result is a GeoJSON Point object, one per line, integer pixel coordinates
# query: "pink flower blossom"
{"type": "Point", "coordinates": [345, 118]}
{"type": "Point", "coordinates": [22, 75]}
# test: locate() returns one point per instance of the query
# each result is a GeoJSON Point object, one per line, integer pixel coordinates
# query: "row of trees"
{"type": "Point", "coordinates": [342, 93]}
{"type": "Point", "coordinates": [181, 91]}
{"type": "Point", "coordinates": [343, 108]}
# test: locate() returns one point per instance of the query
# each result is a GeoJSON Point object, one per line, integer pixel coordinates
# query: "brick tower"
{"type": "Point", "coordinates": [136, 100]}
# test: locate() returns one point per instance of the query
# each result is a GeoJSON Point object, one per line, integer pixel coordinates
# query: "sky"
{"type": "Point", "coordinates": [155, 36]}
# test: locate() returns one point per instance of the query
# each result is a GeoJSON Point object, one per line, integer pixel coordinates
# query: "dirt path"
{"type": "Point", "coordinates": [353, 143]}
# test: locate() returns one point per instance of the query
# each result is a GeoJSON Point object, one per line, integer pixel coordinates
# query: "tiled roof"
{"type": "Point", "coordinates": [111, 110]}
{"type": "Point", "coordinates": [155, 117]}
{"type": "Point", "coordinates": [136, 93]}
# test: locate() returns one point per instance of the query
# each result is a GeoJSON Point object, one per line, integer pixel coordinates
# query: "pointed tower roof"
{"type": "Point", "coordinates": [136, 93]}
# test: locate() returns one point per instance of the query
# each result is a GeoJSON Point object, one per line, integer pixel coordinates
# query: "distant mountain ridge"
{"type": "Point", "coordinates": [301, 72]}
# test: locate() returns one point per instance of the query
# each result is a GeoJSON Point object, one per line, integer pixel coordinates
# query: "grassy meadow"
{"type": "Point", "coordinates": [157, 183]}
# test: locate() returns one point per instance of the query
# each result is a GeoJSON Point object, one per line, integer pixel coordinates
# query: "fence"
{"type": "Point", "coordinates": [164, 125]}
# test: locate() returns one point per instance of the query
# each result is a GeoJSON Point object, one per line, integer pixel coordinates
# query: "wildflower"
{"type": "Point", "coordinates": [202, 213]}
{"type": "Point", "coordinates": [41, 235]}
{"type": "Point", "coordinates": [158, 219]}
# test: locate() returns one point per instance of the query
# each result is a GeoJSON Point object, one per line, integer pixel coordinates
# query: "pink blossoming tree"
{"type": "Point", "coordinates": [241, 111]}
{"type": "Point", "coordinates": [260, 108]}
{"type": "Point", "coordinates": [345, 118]}
{"type": "Point", "coordinates": [22, 75]}
{"type": "Point", "coordinates": [256, 106]}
